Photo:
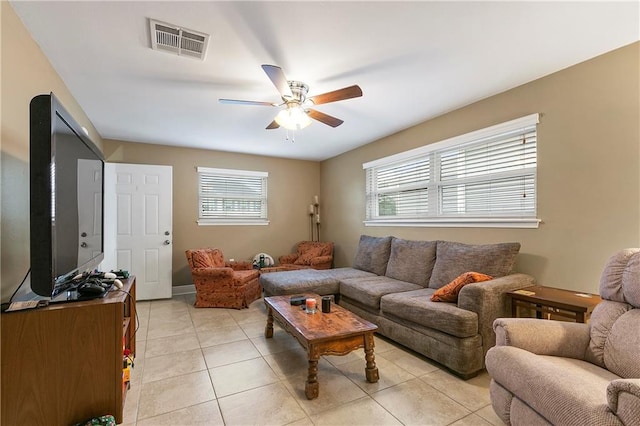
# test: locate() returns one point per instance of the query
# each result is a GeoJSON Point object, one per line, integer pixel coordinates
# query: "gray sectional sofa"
{"type": "Point", "coordinates": [392, 280]}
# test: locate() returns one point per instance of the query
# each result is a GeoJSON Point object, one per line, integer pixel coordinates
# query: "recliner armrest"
{"type": "Point", "coordinates": [543, 337]}
{"type": "Point", "coordinates": [623, 398]}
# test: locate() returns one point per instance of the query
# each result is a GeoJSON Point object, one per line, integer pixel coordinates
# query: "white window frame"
{"type": "Point", "coordinates": [435, 217]}
{"type": "Point", "coordinates": [231, 173]}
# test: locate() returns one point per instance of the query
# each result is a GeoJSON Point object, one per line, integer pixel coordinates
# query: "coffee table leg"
{"type": "Point", "coordinates": [371, 371]}
{"type": "Point", "coordinates": [268, 331]}
{"type": "Point", "coordinates": [312, 387]}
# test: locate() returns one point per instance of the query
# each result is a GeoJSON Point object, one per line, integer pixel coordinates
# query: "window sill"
{"type": "Point", "coordinates": [459, 222]}
{"type": "Point", "coordinates": [221, 222]}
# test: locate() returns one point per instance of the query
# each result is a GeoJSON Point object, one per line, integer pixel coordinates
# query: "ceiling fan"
{"type": "Point", "coordinates": [297, 113]}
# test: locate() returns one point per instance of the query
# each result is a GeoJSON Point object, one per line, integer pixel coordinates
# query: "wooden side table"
{"type": "Point", "coordinates": [554, 301]}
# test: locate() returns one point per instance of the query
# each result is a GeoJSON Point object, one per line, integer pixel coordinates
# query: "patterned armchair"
{"type": "Point", "coordinates": [219, 284]}
{"type": "Point", "coordinates": [309, 254]}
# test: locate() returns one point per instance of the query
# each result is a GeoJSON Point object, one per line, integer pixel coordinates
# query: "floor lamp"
{"type": "Point", "coordinates": [314, 219]}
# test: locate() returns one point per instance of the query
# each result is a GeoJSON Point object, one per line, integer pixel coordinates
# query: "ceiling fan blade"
{"type": "Point", "coordinates": [337, 95]}
{"type": "Point", "coordinates": [239, 102]}
{"type": "Point", "coordinates": [276, 75]}
{"type": "Point", "coordinates": [324, 118]}
{"type": "Point", "coordinates": [272, 125]}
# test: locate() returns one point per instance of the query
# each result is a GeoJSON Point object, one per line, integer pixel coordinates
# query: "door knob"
{"type": "Point", "coordinates": [167, 242]}
{"type": "Point", "coordinates": [83, 245]}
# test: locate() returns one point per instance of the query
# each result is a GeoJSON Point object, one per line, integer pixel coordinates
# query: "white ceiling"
{"type": "Point", "coordinates": [413, 60]}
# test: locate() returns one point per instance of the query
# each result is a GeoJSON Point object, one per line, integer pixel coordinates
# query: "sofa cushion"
{"type": "Point", "coordinates": [299, 281]}
{"type": "Point", "coordinates": [411, 261]}
{"type": "Point", "coordinates": [416, 307]}
{"type": "Point", "coordinates": [449, 293]}
{"type": "Point", "coordinates": [368, 290]}
{"type": "Point", "coordinates": [373, 254]}
{"type": "Point", "coordinates": [452, 259]}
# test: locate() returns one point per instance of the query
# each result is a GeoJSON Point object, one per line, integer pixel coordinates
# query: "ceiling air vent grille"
{"type": "Point", "coordinates": [177, 40]}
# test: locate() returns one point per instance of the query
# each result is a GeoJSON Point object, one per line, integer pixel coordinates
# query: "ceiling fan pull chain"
{"type": "Point", "coordinates": [293, 135]}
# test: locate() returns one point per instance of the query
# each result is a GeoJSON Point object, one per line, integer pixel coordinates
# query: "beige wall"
{"type": "Point", "coordinates": [291, 187]}
{"type": "Point", "coordinates": [25, 73]}
{"type": "Point", "coordinates": [588, 171]}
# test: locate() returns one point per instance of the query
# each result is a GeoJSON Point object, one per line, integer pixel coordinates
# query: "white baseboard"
{"type": "Point", "coordinates": [179, 290]}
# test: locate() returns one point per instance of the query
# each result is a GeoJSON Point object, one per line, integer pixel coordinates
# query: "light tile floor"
{"type": "Point", "coordinates": [215, 367]}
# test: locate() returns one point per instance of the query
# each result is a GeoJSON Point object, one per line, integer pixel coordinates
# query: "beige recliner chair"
{"type": "Point", "coordinates": [551, 372]}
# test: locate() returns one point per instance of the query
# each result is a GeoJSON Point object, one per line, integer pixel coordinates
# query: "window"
{"type": "Point", "coordinates": [483, 178]}
{"type": "Point", "coordinates": [232, 197]}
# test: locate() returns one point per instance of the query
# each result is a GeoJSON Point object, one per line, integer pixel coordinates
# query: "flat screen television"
{"type": "Point", "coordinates": [66, 199]}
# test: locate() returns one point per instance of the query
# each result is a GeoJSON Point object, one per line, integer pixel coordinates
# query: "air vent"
{"type": "Point", "coordinates": [177, 40]}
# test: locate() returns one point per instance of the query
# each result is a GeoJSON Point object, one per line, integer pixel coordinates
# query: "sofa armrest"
{"type": "Point", "coordinates": [489, 300]}
{"type": "Point", "coordinates": [623, 398]}
{"type": "Point", "coordinates": [288, 258]}
{"type": "Point", "coordinates": [543, 337]}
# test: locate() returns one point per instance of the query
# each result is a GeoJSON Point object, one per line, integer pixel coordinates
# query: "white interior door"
{"type": "Point", "coordinates": [89, 221]}
{"type": "Point", "coordinates": [141, 220]}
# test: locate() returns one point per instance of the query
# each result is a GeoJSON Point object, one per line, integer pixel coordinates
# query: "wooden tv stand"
{"type": "Point", "coordinates": [63, 364]}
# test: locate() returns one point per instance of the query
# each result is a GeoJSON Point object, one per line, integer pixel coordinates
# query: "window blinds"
{"type": "Point", "coordinates": [489, 173]}
{"type": "Point", "coordinates": [494, 177]}
{"type": "Point", "coordinates": [232, 195]}
{"type": "Point", "coordinates": [400, 190]}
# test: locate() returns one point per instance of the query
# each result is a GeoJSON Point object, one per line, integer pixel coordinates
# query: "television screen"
{"type": "Point", "coordinates": [67, 193]}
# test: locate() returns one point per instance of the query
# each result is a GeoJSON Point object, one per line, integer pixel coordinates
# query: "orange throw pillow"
{"type": "Point", "coordinates": [449, 293]}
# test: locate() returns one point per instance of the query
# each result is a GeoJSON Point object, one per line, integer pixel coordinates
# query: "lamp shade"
{"type": "Point", "coordinates": [293, 118]}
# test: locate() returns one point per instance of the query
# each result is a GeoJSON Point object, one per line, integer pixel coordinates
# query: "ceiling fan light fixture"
{"type": "Point", "coordinates": [293, 118]}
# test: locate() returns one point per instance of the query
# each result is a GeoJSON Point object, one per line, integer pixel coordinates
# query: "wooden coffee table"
{"type": "Point", "coordinates": [335, 333]}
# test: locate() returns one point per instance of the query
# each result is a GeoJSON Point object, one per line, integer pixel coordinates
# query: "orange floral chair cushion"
{"type": "Point", "coordinates": [207, 258]}
{"type": "Point", "coordinates": [306, 257]}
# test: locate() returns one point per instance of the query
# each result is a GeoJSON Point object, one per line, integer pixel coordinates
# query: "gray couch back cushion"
{"type": "Point", "coordinates": [453, 259]}
{"type": "Point", "coordinates": [411, 261]}
{"type": "Point", "coordinates": [373, 254]}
